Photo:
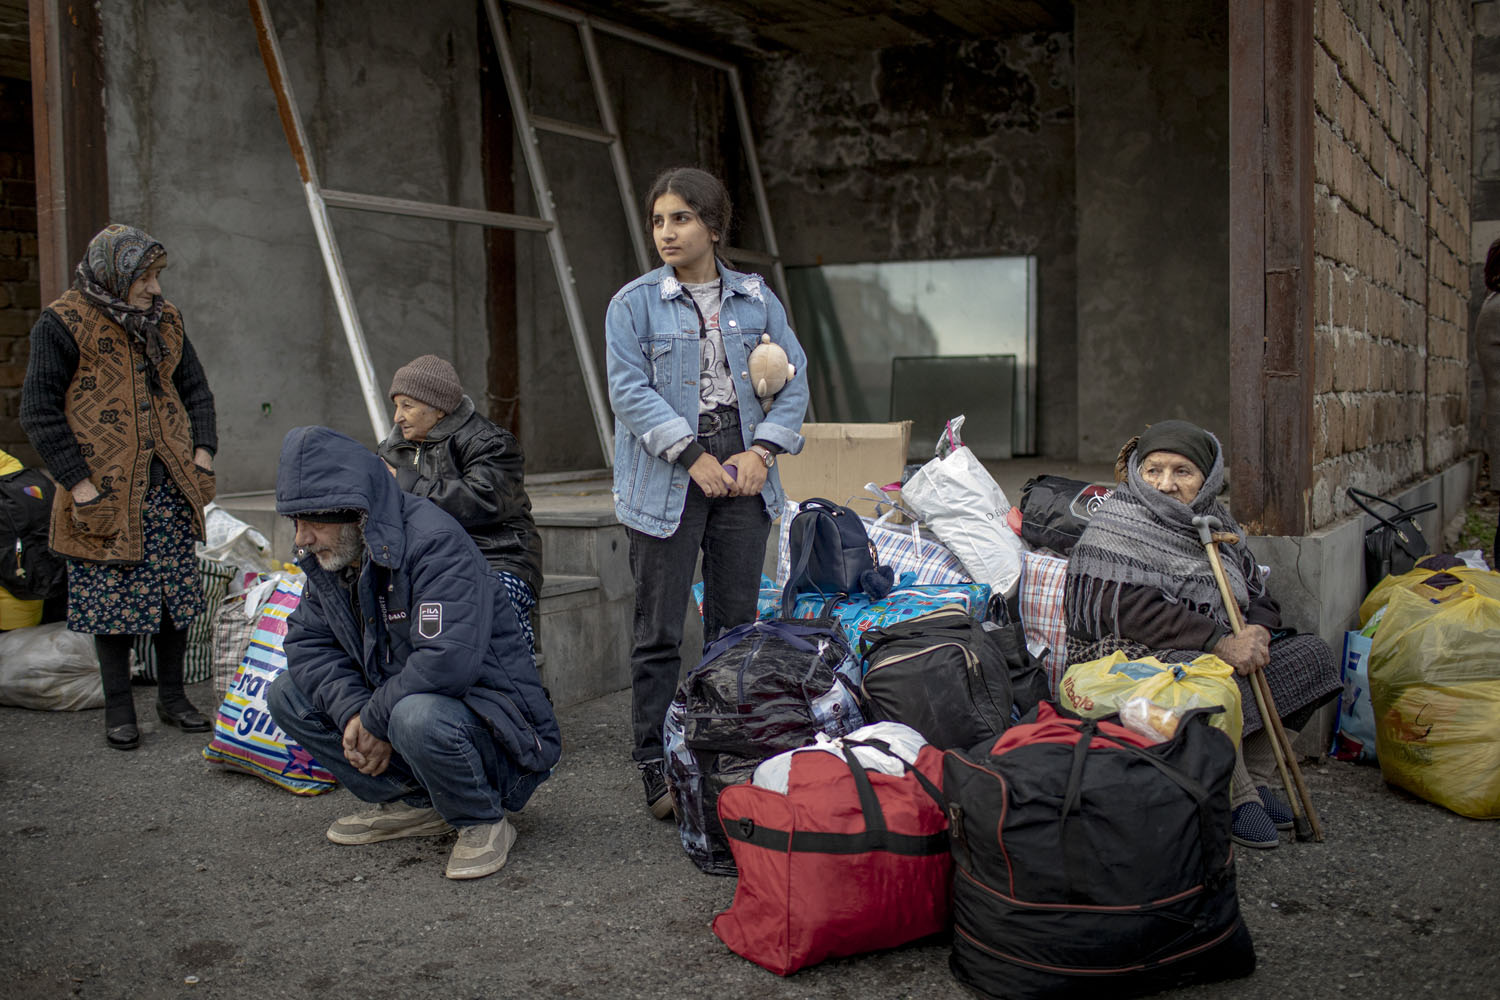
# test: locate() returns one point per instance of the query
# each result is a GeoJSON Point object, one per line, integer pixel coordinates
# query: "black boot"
{"type": "Point", "coordinates": [172, 705]}
{"type": "Point", "coordinates": [120, 731]}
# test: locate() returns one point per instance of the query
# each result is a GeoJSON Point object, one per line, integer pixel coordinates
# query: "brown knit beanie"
{"type": "Point", "coordinates": [431, 380]}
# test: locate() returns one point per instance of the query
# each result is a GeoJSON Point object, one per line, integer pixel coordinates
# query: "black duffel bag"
{"type": "Point", "coordinates": [950, 677]}
{"type": "Point", "coordinates": [1089, 863]}
{"type": "Point", "coordinates": [1055, 510]}
{"type": "Point", "coordinates": [762, 688]}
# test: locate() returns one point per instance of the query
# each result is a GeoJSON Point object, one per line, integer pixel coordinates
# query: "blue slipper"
{"type": "Point", "coordinates": [1252, 827]}
{"type": "Point", "coordinates": [1278, 810]}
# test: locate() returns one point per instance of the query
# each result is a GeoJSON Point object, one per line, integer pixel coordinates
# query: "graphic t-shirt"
{"type": "Point", "coordinates": [715, 386]}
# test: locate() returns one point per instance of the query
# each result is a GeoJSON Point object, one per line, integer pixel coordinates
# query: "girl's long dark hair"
{"type": "Point", "coordinates": [704, 193]}
{"type": "Point", "coordinates": [1491, 267]}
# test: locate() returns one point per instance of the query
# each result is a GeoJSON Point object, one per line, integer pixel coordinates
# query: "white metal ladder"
{"type": "Point", "coordinates": [319, 198]}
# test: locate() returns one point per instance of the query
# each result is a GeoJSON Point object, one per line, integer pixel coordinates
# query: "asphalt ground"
{"type": "Point", "coordinates": [153, 874]}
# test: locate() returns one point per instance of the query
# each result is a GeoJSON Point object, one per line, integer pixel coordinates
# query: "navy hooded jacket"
{"type": "Point", "coordinates": [432, 616]}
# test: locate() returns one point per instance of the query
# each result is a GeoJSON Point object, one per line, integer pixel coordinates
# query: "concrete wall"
{"type": "Point", "coordinates": [198, 159]}
{"type": "Point", "coordinates": [1391, 243]}
{"type": "Point", "coordinates": [931, 152]}
{"type": "Point", "coordinates": [686, 122]}
{"type": "Point", "coordinates": [1153, 219]}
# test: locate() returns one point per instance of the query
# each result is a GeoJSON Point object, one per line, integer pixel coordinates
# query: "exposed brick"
{"type": "Point", "coordinates": [16, 322]}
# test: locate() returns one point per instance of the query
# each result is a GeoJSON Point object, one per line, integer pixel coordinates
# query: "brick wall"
{"type": "Point", "coordinates": [19, 287]}
{"type": "Point", "coordinates": [1391, 91]}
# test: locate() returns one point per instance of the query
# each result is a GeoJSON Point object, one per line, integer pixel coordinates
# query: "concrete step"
{"type": "Point", "coordinates": [583, 617]}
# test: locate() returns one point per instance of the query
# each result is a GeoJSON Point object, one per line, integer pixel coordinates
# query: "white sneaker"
{"type": "Point", "coordinates": [387, 821]}
{"type": "Point", "coordinates": [481, 850]}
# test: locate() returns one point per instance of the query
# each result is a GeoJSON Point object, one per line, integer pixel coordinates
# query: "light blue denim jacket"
{"type": "Point", "coordinates": [651, 334]}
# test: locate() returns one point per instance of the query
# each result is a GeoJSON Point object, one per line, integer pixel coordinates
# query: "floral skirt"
{"type": "Point", "coordinates": [162, 590]}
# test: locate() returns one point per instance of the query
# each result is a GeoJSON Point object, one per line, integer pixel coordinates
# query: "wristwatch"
{"type": "Point", "coordinates": [766, 455]}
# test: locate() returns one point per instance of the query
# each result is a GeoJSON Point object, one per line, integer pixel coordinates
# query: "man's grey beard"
{"type": "Point", "coordinates": [346, 550]}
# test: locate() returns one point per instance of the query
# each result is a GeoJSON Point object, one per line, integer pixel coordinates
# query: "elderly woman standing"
{"type": "Point", "coordinates": [1140, 581]}
{"type": "Point", "coordinates": [441, 448]}
{"type": "Point", "coordinates": [116, 403]}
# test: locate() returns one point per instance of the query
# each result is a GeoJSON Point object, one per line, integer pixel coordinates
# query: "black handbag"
{"type": "Point", "coordinates": [831, 553]}
{"type": "Point", "coordinates": [1395, 543]}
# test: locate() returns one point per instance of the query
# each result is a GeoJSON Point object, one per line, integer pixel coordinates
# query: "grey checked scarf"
{"type": "Point", "coordinates": [1142, 536]}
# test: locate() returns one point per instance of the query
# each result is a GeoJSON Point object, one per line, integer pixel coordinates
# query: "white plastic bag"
{"type": "Point", "coordinates": [961, 503]}
{"type": "Point", "coordinates": [232, 542]}
{"type": "Point", "coordinates": [49, 668]}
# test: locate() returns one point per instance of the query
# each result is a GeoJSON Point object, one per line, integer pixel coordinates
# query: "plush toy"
{"type": "Point", "coordinates": [769, 370]}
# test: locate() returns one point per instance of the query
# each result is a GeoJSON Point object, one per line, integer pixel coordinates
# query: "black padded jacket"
{"type": "Point", "coordinates": [474, 470]}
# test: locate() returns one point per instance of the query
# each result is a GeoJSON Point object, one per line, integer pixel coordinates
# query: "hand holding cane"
{"type": "Point", "coordinates": [1304, 816]}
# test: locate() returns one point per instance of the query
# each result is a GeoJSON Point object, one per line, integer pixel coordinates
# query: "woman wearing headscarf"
{"type": "Point", "coordinates": [117, 404]}
{"type": "Point", "coordinates": [1139, 580]}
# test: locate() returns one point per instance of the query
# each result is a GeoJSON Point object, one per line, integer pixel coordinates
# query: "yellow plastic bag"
{"type": "Point", "coordinates": [16, 613]}
{"type": "Point", "coordinates": [1486, 582]}
{"type": "Point", "coordinates": [1435, 688]}
{"type": "Point", "coordinates": [1097, 688]}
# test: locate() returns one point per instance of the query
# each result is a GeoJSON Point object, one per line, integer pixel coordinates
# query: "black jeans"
{"type": "Point", "coordinates": [731, 532]}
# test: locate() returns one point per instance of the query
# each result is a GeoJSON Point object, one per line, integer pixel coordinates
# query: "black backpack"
{"type": "Point", "coordinates": [955, 680]}
{"type": "Point", "coordinates": [1086, 863]}
{"type": "Point", "coordinates": [831, 554]}
{"type": "Point", "coordinates": [28, 568]}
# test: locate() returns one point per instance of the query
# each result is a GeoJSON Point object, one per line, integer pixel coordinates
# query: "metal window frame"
{"type": "Point", "coordinates": [320, 199]}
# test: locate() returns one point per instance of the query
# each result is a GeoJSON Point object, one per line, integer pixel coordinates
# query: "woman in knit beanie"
{"type": "Point", "coordinates": [441, 448]}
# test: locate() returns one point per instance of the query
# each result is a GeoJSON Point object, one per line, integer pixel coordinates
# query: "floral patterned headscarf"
{"type": "Point", "coordinates": [114, 260]}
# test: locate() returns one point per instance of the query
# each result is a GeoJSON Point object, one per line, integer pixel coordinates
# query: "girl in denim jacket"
{"type": "Point", "coordinates": [695, 455]}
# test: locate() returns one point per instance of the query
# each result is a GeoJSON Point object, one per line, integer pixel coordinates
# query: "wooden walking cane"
{"type": "Point", "coordinates": [1304, 816]}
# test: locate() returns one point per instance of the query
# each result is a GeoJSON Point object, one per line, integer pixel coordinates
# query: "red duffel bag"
{"type": "Point", "coordinates": [849, 859]}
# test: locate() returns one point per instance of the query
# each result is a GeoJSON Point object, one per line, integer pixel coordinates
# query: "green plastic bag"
{"type": "Point", "coordinates": [1435, 687]}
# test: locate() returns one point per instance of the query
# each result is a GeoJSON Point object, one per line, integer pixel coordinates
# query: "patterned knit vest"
{"type": "Point", "coordinates": [120, 426]}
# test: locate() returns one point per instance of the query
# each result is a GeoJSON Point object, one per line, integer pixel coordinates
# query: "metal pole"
{"type": "Point", "coordinates": [343, 296]}
{"type": "Point", "coordinates": [616, 144]}
{"type": "Point", "coordinates": [747, 140]}
{"type": "Point", "coordinates": [541, 190]}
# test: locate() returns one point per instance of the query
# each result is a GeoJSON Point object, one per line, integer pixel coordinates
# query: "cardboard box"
{"type": "Point", "coordinates": [839, 459]}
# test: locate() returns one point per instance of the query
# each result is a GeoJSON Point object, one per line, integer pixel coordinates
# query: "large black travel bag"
{"type": "Point", "coordinates": [950, 677]}
{"type": "Point", "coordinates": [762, 688]}
{"type": "Point", "coordinates": [1088, 862]}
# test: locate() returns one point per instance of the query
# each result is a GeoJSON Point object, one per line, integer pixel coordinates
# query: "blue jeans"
{"type": "Point", "coordinates": [732, 533]}
{"type": "Point", "coordinates": [442, 756]}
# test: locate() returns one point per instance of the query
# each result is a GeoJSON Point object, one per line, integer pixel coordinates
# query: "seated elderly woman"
{"type": "Point", "coordinates": [441, 448]}
{"type": "Point", "coordinates": [1140, 581]}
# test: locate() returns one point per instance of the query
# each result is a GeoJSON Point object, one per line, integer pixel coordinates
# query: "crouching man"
{"type": "Point", "coordinates": [407, 673]}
